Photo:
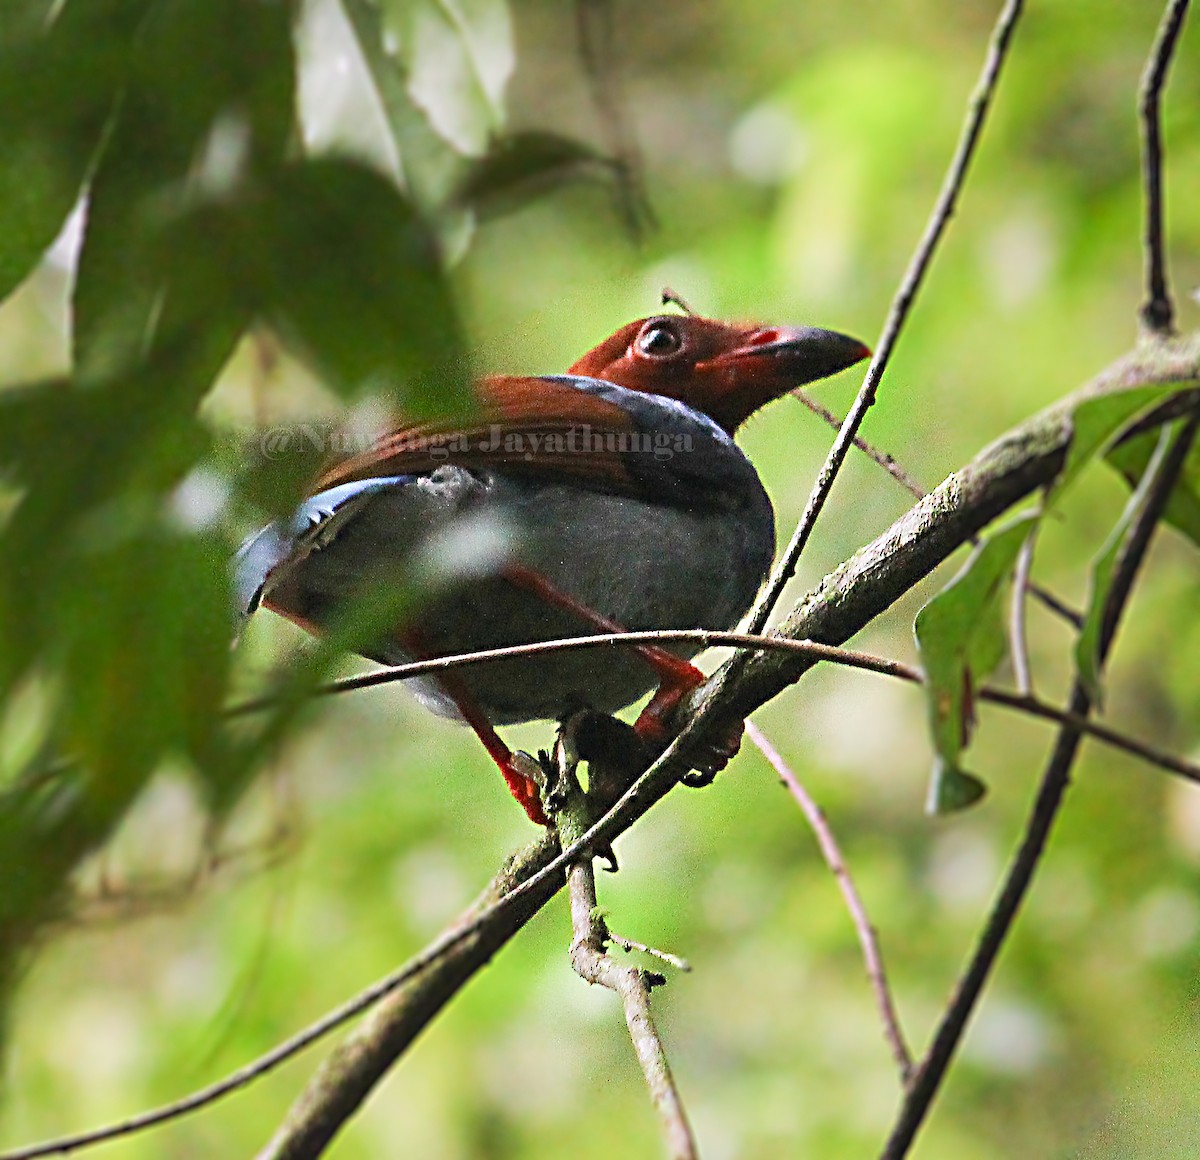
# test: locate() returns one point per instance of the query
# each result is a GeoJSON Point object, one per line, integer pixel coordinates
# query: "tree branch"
{"type": "Point", "coordinates": [1000, 476]}
{"type": "Point", "coordinates": [350, 1073]}
{"type": "Point", "coordinates": [1158, 314]}
{"type": "Point", "coordinates": [573, 810]}
{"type": "Point", "coordinates": [632, 984]}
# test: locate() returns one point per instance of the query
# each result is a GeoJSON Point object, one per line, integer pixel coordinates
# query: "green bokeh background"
{"type": "Point", "coordinates": [792, 153]}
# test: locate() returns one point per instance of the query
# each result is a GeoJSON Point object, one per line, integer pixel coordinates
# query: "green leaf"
{"type": "Point", "coordinates": [960, 638]}
{"type": "Point", "coordinates": [430, 165]}
{"type": "Point", "coordinates": [208, 104]}
{"type": "Point", "coordinates": [1097, 422]}
{"type": "Point", "coordinates": [952, 789]}
{"type": "Point", "coordinates": [76, 458]}
{"type": "Point", "coordinates": [1131, 458]}
{"type": "Point", "coordinates": [458, 56]}
{"type": "Point", "coordinates": [143, 651]}
{"type": "Point", "coordinates": [1087, 646]}
{"type": "Point", "coordinates": [58, 85]}
{"type": "Point", "coordinates": [351, 276]}
{"type": "Point", "coordinates": [146, 660]}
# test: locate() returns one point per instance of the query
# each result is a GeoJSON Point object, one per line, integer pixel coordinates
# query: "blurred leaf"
{"type": "Point", "coordinates": [23, 18]}
{"type": "Point", "coordinates": [372, 612]}
{"type": "Point", "coordinates": [355, 283]}
{"type": "Point", "coordinates": [525, 166]}
{"type": "Point", "coordinates": [273, 469]}
{"type": "Point", "coordinates": [1132, 457]}
{"type": "Point", "coordinates": [144, 668]}
{"type": "Point", "coordinates": [960, 638]}
{"type": "Point", "coordinates": [58, 85]}
{"type": "Point", "coordinates": [147, 659]}
{"type": "Point", "coordinates": [209, 101]}
{"type": "Point", "coordinates": [88, 456]}
{"type": "Point", "coordinates": [1087, 646]}
{"type": "Point", "coordinates": [458, 56]}
{"type": "Point", "coordinates": [429, 163]}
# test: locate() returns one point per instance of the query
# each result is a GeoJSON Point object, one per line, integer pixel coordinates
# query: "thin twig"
{"type": "Point", "coordinates": [1158, 313]}
{"type": "Point", "coordinates": [702, 636]}
{"type": "Point", "coordinates": [848, 658]}
{"type": "Point", "coordinates": [1162, 473]}
{"type": "Point", "coordinates": [898, 314]}
{"type": "Point", "coordinates": [1018, 638]}
{"type": "Point", "coordinates": [629, 945]}
{"type": "Point", "coordinates": [673, 298]}
{"type": "Point", "coordinates": [1168, 762]}
{"type": "Point", "coordinates": [906, 481]}
{"type": "Point", "coordinates": [633, 985]}
{"type": "Point", "coordinates": [1060, 608]}
{"type": "Point", "coordinates": [573, 811]}
{"type": "Point", "coordinates": [867, 937]}
{"type": "Point", "coordinates": [882, 458]}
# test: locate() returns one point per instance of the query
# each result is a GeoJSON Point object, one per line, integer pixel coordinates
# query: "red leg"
{"type": "Point", "coordinates": [678, 677]}
{"type": "Point", "coordinates": [524, 788]}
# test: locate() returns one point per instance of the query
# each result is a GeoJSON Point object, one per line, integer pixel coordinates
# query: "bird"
{"type": "Point", "coordinates": [612, 497]}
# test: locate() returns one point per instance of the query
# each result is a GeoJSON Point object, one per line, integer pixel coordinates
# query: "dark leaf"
{"type": "Point", "coordinates": [353, 279]}
{"type": "Point", "coordinates": [526, 166]}
{"type": "Point", "coordinates": [952, 789]}
{"type": "Point", "coordinates": [58, 85]}
{"type": "Point", "coordinates": [1097, 422]}
{"type": "Point", "coordinates": [208, 104]}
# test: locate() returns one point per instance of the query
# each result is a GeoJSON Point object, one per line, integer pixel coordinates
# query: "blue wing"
{"type": "Point", "coordinates": [313, 525]}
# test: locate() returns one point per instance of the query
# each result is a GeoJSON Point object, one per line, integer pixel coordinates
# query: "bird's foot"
{"type": "Point", "coordinates": [653, 727]}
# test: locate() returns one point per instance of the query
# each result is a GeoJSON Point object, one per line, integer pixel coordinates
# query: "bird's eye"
{"type": "Point", "coordinates": [659, 341]}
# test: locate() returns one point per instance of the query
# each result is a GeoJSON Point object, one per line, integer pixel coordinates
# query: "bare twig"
{"type": "Point", "coordinates": [629, 945]}
{"type": "Point", "coordinates": [1059, 607]}
{"type": "Point", "coordinates": [1161, 475]}
{"type": "Point", "coordinates": [805, 648]}
{"type": "Point", "coordinates": [1158, 313]}
{"type": "Point", "coordinates": [672, 298]}
{"type": "Point", "coordinates": [633, 985]}
{"type": "Point", "coordinates": [867, 938]}
{"type": "Point", "coordinates": [704, 637]}
{"type": "Point", "coordinates": [898, 314]}
{"type": "Point", "coordinates": [1168, 762]}
{"type": "Point", "coordinates": [1017, 637]}
{"type": "Point", "coordinates": [882, 458]}
{"type": "Point", "coordinates": [573, 811]}
{"type": "Point", "coordinates": [906, 481]}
